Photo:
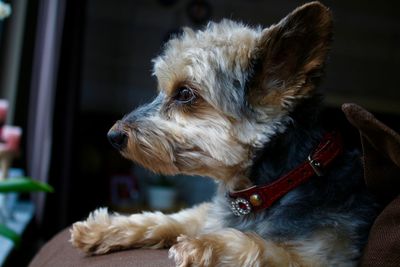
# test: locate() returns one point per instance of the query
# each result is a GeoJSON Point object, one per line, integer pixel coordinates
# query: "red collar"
{"type": "Point", "coordinates": [262, 197]}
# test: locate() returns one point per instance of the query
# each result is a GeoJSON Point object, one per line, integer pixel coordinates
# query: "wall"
{"type": "Point", "coordinates": [123, 36]}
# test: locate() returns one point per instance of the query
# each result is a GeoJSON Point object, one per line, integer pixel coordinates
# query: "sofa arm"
{"type": "Point", "coordinates": [59, 252]}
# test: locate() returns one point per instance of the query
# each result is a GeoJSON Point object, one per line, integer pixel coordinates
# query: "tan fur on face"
{"type": "Point", "coordinates": [153, 147]}
{"type": "Point", "coordinates": [196, 55]}
{"type": "Point", "coordinates": [207, 137]}
{"type": "Point", "coordinates": [217, 134]}
{"type": "Point", "coordinates": [179, 145]}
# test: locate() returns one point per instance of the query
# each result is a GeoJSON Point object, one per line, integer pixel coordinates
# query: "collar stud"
{"type": "Point", "coordinates": [316, 166]}
{"type": "Point", "coordinates": [256, 200]}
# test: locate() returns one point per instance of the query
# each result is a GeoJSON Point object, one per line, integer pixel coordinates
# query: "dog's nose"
{"type": "Point", "coordinates": [117, 138]}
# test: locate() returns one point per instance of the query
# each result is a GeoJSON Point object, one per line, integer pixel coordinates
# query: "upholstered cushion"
{"type": "Point", "coordinates": [381, 148]}
{"type": "Point", "coordinates": [59, 252]}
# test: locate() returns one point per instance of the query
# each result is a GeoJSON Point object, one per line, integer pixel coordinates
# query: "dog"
{"type": "Point", "coordinates": [241, 105]}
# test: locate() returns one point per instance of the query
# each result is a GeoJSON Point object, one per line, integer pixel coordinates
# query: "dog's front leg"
{"type": "Point", "coordinates": [230, 247]}
{"type": "Point", "coordinates": [103, 232]}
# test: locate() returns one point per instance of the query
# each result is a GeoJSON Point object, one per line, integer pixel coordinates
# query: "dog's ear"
{"type": "Point", "coordinates": [289, 57]}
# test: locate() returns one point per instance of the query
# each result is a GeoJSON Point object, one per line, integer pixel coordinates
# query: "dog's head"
{"type": "Point", "coordinates": [224, 92]}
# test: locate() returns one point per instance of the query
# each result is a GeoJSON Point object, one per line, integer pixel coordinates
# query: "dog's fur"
{"type": "Point", "coordinates": [253, 117]}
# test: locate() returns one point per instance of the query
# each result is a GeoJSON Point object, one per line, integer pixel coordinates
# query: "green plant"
{"type": "Point", "coordinates": [20, 185]}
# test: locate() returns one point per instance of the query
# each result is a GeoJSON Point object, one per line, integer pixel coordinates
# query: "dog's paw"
{"type": "Point", "coordinates": [193, 252]}
{"type": "Point", "coordinates": [103, 232]}
{"type": "Point", "coordinates": [228, 248]}
{"type": "Point", "coordinates": [89, 236]}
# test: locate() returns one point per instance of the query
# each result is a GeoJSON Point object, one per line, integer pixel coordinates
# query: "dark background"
{"type": "Point", "coordinates": [105, 72]}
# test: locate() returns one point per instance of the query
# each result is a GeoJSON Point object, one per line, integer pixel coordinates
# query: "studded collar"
{"type": "Point", "coordinates": [257, 198]}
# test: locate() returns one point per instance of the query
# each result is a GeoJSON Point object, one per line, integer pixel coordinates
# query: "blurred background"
{"type": "Point", "coordinates": [71, 68]}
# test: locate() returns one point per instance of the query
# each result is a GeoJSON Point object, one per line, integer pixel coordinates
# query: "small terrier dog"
{"type": "Point", "coordinates": [240, 105]}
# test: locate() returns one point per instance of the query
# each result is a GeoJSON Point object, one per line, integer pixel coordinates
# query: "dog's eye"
{"type": "Point", "coordinates": [184, 95]}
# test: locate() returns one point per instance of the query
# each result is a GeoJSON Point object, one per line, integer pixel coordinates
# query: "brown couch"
{"type": "Point", "coordinates": [58, 252]}
{"type": "Point", "coordinates": [381, 147]}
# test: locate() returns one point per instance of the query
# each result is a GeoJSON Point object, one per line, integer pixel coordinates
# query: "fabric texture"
{"type": "Point", "coordinates": [58, 252]}
{"type": "Point", "coordinates": [381, 154]}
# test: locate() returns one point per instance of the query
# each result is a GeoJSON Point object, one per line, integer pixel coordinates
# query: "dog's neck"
{"type": "Point", "coordinates": [287, 150]}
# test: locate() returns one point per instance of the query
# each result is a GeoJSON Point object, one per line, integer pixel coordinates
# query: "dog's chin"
{"type": "Point", "coordinates": [153, 153]}
{"type": "Point", "coordinates": [150, 161]}
{"type": "Point", "coordinates": [153, 162]}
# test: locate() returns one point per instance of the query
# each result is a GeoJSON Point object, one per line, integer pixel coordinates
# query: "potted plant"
{"type": "Point", "coordinates": [161, 194]}
{"type": "Point", "coordinates": [19, 185]}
